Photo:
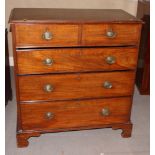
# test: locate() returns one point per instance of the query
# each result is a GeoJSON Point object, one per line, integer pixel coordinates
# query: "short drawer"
{"type": "Point", "coordinates": [74, 114]}
{"type": "Point", "coordinates": [46, 35]}
{"type": "Point", "coordinates": [75, 86]}
{"type": "Point", "coordinates": [76, 60]}
{"type": "Point", "coordinates": [110, 34]}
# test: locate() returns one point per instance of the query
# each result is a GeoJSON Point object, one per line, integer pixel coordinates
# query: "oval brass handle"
{"type": "Point", "coordinates": [49, 115]}
{"type": "Point", "coordinates": [107, 85]}
{"type": "Point", "coordinates": [48, 61]}
{"type": "Point", "coordinates": [110, 60]}
{"type": "Point", "coordinates": [47, 35]}
{"type": "Point", "coordinates": [111, 34]}
{"type": "Point", "coordinates": [48, 88]}
{"type": "Point", "coordinates": [105, 112]}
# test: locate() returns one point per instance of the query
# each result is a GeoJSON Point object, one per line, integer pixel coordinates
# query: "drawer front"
{"type": "Point", "coordinates": [72, 114]}
{"type": "Point", "coordinates": [75, 86]}
{"type": "Point", "coordinates": [76, 60]}
{"type": "Point", "coordinates": [46, 35]}
{"type": "Point", "coordinates": [111, 34]}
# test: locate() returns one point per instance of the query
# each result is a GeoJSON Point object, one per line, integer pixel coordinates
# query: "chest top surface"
{"type": "Point", "coordinates": [49, 15]}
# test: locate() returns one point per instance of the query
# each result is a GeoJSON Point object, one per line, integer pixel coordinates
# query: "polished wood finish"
{"type": "Point", "coordinates": [94, 34]}
{"type": "Point", "coordinates": [75, 60]}
{"type": "Point", "coordinates": [30, 35]}
{"type": "Point", "coordinates": [126, 129]}
{"type": "Point", "coordinates": [31, 88]}
{"type": "Point", "coordinates": [48, 15]}
{"type": "Point", "coordinates": [71, 114]}
{"type": "Point", "coordinates": [22, 139]}
{"type": "Point", "coordinates": [23, 136]}
{"type": "Point", "coordinates": [78, 47]}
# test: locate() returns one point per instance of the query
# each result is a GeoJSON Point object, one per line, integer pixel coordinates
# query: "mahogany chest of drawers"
{"type": "Point", "coordinates": [74, 69]}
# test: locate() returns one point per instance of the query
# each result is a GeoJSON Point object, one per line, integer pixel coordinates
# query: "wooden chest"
{"type": "Point", "coordinates": [74, 69]}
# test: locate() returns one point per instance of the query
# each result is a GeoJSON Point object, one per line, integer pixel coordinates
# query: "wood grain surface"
{"type": "Point", "coordinates": [65, 35]}
{"type": "Point", "coordinates": [55, 15]}
{"type": "Point", "coordinates": [95, 34]}
{"type": "Point", "coordinates": [75, 60]}
{"type": "Point", "coordinates": [71, 114]}
{"type": "Point", "coordinates": [75, 86]}
{"type": "Point", "coordinates": [30, 35]}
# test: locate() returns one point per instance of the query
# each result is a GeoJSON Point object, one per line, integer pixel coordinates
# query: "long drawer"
{"type": "Point", "coordinates": [75, 60]}
{"type": "Point", "coordinates": [75, 114]}
{"type": "Point", "coordinates": [110, 34]}
{"type": "Point", "coordinates": [46, 35]}
{"type": "Point", "coordinates": [75, 86]}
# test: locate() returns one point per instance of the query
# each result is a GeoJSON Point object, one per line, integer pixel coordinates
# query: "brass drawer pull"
{"type": "Point", "coordinates": [105, 112]}
{"type": "Point", "coordinates": [48, 62]}
{"type": "Point", "coordinates": [48, 88]}
{"type": "Point", "coordinates": [110, 60]}
{"type": "Point", "coordinates": [107, 85]}
{"type": "Point", "coordinates": [47, 35]}
{"type": "Point", "coordinates": [49, 115]}
{"type": "Point", "coordinates": [111, 34]}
